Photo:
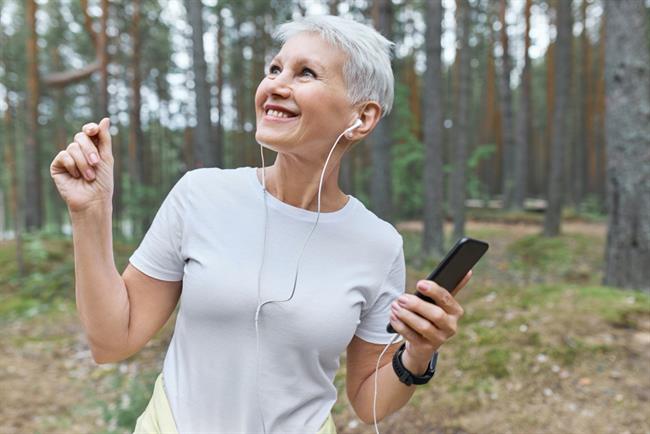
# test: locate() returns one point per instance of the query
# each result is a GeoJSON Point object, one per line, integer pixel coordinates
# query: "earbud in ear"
{"type": "Point", "coordinates": [356, 124]}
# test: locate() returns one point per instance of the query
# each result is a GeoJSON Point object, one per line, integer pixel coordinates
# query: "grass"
{"type": "Point", "coordinates": [535, 303]}
{"type": "Point", "coordinates": [49, 274]}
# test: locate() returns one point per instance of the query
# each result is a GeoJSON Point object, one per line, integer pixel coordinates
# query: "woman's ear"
{"type": "Point", "coordinates": [369, 115]}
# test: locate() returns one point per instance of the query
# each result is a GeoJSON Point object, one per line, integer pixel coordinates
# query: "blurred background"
{"type": "Point", "coordinates": [522, 122]}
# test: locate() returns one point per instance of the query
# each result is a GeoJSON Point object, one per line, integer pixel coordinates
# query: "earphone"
{"type": "Point", "coordinates": [348, 132]}
{"type": "Point", "coordinates": [357, 123]}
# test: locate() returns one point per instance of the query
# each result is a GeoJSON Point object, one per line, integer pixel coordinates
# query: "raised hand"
{"type": "Point", "coordinates": [83, 172]}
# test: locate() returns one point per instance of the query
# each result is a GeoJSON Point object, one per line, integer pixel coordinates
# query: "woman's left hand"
{"type": "Point", "coordinates": [426, 326]}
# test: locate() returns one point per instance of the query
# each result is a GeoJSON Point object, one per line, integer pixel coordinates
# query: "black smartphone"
{"type": "Point", "coordinates": [454, 266]}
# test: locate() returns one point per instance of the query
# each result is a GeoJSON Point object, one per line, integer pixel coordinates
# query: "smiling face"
{"type": "Point", "coordinates": [302, 104]}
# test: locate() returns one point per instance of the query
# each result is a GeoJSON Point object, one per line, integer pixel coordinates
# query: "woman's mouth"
{"type": "Point", "coordinates": [279, 116]}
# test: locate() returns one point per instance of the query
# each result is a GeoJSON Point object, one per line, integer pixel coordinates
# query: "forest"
{"type": "Point", "coordinates": [522, 122]}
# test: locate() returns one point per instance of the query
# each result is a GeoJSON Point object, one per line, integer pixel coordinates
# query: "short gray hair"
{"type": "Point", "coordinates": [367, 71]}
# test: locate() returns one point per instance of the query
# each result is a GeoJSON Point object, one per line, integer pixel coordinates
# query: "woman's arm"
{"type": "Point", "coordinates": [425, 327]}
{"type": "Point", "coordinates": [118, 313]}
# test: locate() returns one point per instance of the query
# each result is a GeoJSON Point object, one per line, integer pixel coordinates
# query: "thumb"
{"type": "Point", "coordinates": [105, 145]}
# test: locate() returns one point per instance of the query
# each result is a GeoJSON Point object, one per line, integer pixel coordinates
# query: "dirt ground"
{"type": "Point", "coordinates": [49, 383]}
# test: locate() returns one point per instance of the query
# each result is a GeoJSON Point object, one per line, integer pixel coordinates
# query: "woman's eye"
{"type": "Point", "coordinates": [307, 71]}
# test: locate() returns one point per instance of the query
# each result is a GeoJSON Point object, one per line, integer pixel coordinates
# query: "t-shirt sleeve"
{"type": "Point", "coordinates": [159, 254]}
{"type": "Point", "coordinates": [375, 318]}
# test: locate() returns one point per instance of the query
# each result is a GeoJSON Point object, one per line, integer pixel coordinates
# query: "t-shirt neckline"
{"type": "Point", "coordinates": [296, 212]}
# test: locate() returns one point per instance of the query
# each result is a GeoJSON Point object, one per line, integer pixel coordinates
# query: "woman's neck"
{"type": "Point", "coordinates": [297, 185]}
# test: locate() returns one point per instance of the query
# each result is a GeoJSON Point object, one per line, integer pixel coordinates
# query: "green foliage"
{"type": "Point", "coordinates": [407, 156]}
{"type": "Point", "coordinates": [49, 279]}
{"type": "Point", "coordinates": [574, 258]}
{"type": "Point", "coordinates": [475, 189]}
{"type": "Point", "coordinates": [139, 204]}
{"type": "Point", "coordinates": [136, 393]}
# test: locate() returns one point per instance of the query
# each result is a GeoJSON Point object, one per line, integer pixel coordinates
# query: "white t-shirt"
{"type": "Point", "coordinates": [209, 233]}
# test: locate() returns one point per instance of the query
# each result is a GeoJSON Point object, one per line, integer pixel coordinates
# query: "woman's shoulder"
{"type": "Point", "coordinates": [376, 228]}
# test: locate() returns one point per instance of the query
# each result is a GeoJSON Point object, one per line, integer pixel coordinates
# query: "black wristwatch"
{"type": "Point", "coordinates": [408, 378]}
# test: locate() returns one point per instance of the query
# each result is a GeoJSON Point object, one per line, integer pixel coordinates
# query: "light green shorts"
{"type": "Point", "coordinates": [157, 417]}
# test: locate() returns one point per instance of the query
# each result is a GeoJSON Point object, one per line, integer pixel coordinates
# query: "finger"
{"type": "Point", "coordinates": [70, 166]}
{"type": "Point", "coordinates": [462, 283]}
{"type": "Point", "coordinates": [443, 320]}
{"type": "Point", "coordinates": [105, 144]}
{"type": "Point", "coordinates": [405, 331]}
{"type": "Point", "coordinates": [74, 149]}
{"type": "Point", "coordinates": [420, 325]}
{"type": "Point", "coordinates": [64, 163]}
{"type": "Point", "coordinates": [88, 147]}
{"type": "Point", "coordinates": [440, 295]}
{"type": "Point", "coordinates": [91, 129]}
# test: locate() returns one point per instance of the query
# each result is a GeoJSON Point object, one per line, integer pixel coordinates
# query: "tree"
{"type": "Point", "coordinates": [459, 176]}
{"type": "Point", "coordinates": [627, 126]}
{"type": "Point", "coordinates": [204, 154]}
{"type": "Point", "coordinates": [524, 121]}
{"type": "Point", "coordinates": [560, 139]}
{"type": "Point", "coordinates": [433, 236]}
{"type": "Point", "coordinates": [583, 73]}
{"type": "Point", "coordinates": [505, 100]}
{"type": "Point", "coordinates": [33, 182]}
{"type": "Point", "coordinates": [380, 139]}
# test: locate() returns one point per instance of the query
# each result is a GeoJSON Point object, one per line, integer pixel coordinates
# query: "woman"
{"type": "Point", "coordinates": [268, 302]}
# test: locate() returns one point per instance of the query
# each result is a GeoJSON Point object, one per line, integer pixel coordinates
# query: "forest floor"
{"type": "Point", "coordinates": [542, 348]}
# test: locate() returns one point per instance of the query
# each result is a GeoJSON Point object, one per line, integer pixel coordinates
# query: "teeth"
{"type": "Point", "coordinates": [277, 114]}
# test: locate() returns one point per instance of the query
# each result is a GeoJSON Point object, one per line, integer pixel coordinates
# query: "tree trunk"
{"type": "Point", "coordinates": [459, 176]}
{"type": "Point", "coordinates": [505, 100]}
{"type": "Point", "coordinates": [137, 166]}
{"type": "Point", "coordinates": [580, 142]}
{"type": "Point", "coordinates": [491, 169]}
{"type": "Point", "coordinates": [15, 204]}
{"type": "Point", "coordinates": [627, 81]}
{"type": "Point", "coordinates": [561, 139]}
{"type": "Point", "coordinates": [102, 53]}
{"type": "Point", "coordinates": [381, 137]}
{"type": "Point", "coordinates": [219, 83]}
{"type": "Point", "coordinates": [433, 236]}
{"type": "Point", "coordinates": [203, 146]}
{"type": "Point", "coordinates": [334, 7]}
{"type": "Point", "coordinates": [523, 136]}
{"type": "Point", "coordinates": [136, 143]}
{"type": "Point", "coordinates": [33, 187]}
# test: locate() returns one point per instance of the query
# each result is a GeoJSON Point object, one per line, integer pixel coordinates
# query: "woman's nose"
{"type": "Point", "coordinates": [280, 85]}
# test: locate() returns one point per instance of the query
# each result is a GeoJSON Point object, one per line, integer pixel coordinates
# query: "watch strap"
{"type": "Point", "coordinates": [405, 376]}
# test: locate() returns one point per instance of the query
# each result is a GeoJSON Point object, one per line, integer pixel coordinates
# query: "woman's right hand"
{"type": "Point", "coordinates": [83, 172]}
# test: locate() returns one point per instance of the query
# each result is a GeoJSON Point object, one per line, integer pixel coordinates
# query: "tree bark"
{"type": "Point", "coordinates": [33, 181]}
{"type": "Point", "coordinates": [580, 142]}
{"type": "Point", "coordinates": [381, 137]}
{"type": "Point", "coordinates": [136, 143]}
{"type": "Point", "coordinates": [433, 236]}
{"type": "Point", "coordinates": [561, 139]}
{"type": "Point", "coordinates": [15, 204]}
{"type": "Point", "coordinates": [220, 155]}
{"type": "Point", "coordinates": [204, 155]}
{"type": "Point", "coordinates": [505, 100]}
{"type": "Point", "coordinates": [459, 176]}
{"type": "Point", "coordinates": [523, 136]}
{"type": "Point", "coordinates": [627, 125]}
{"type": "Point", "coordinates": [102, 55]}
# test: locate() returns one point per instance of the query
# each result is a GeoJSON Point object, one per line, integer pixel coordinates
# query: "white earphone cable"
{"type": "Point", "coordinates": [295, 279]}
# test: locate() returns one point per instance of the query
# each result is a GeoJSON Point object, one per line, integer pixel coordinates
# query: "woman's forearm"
{"type": "Point", "coordinates": [392, 394]}
{"type": "Point", "coordinates": [101, 295]}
